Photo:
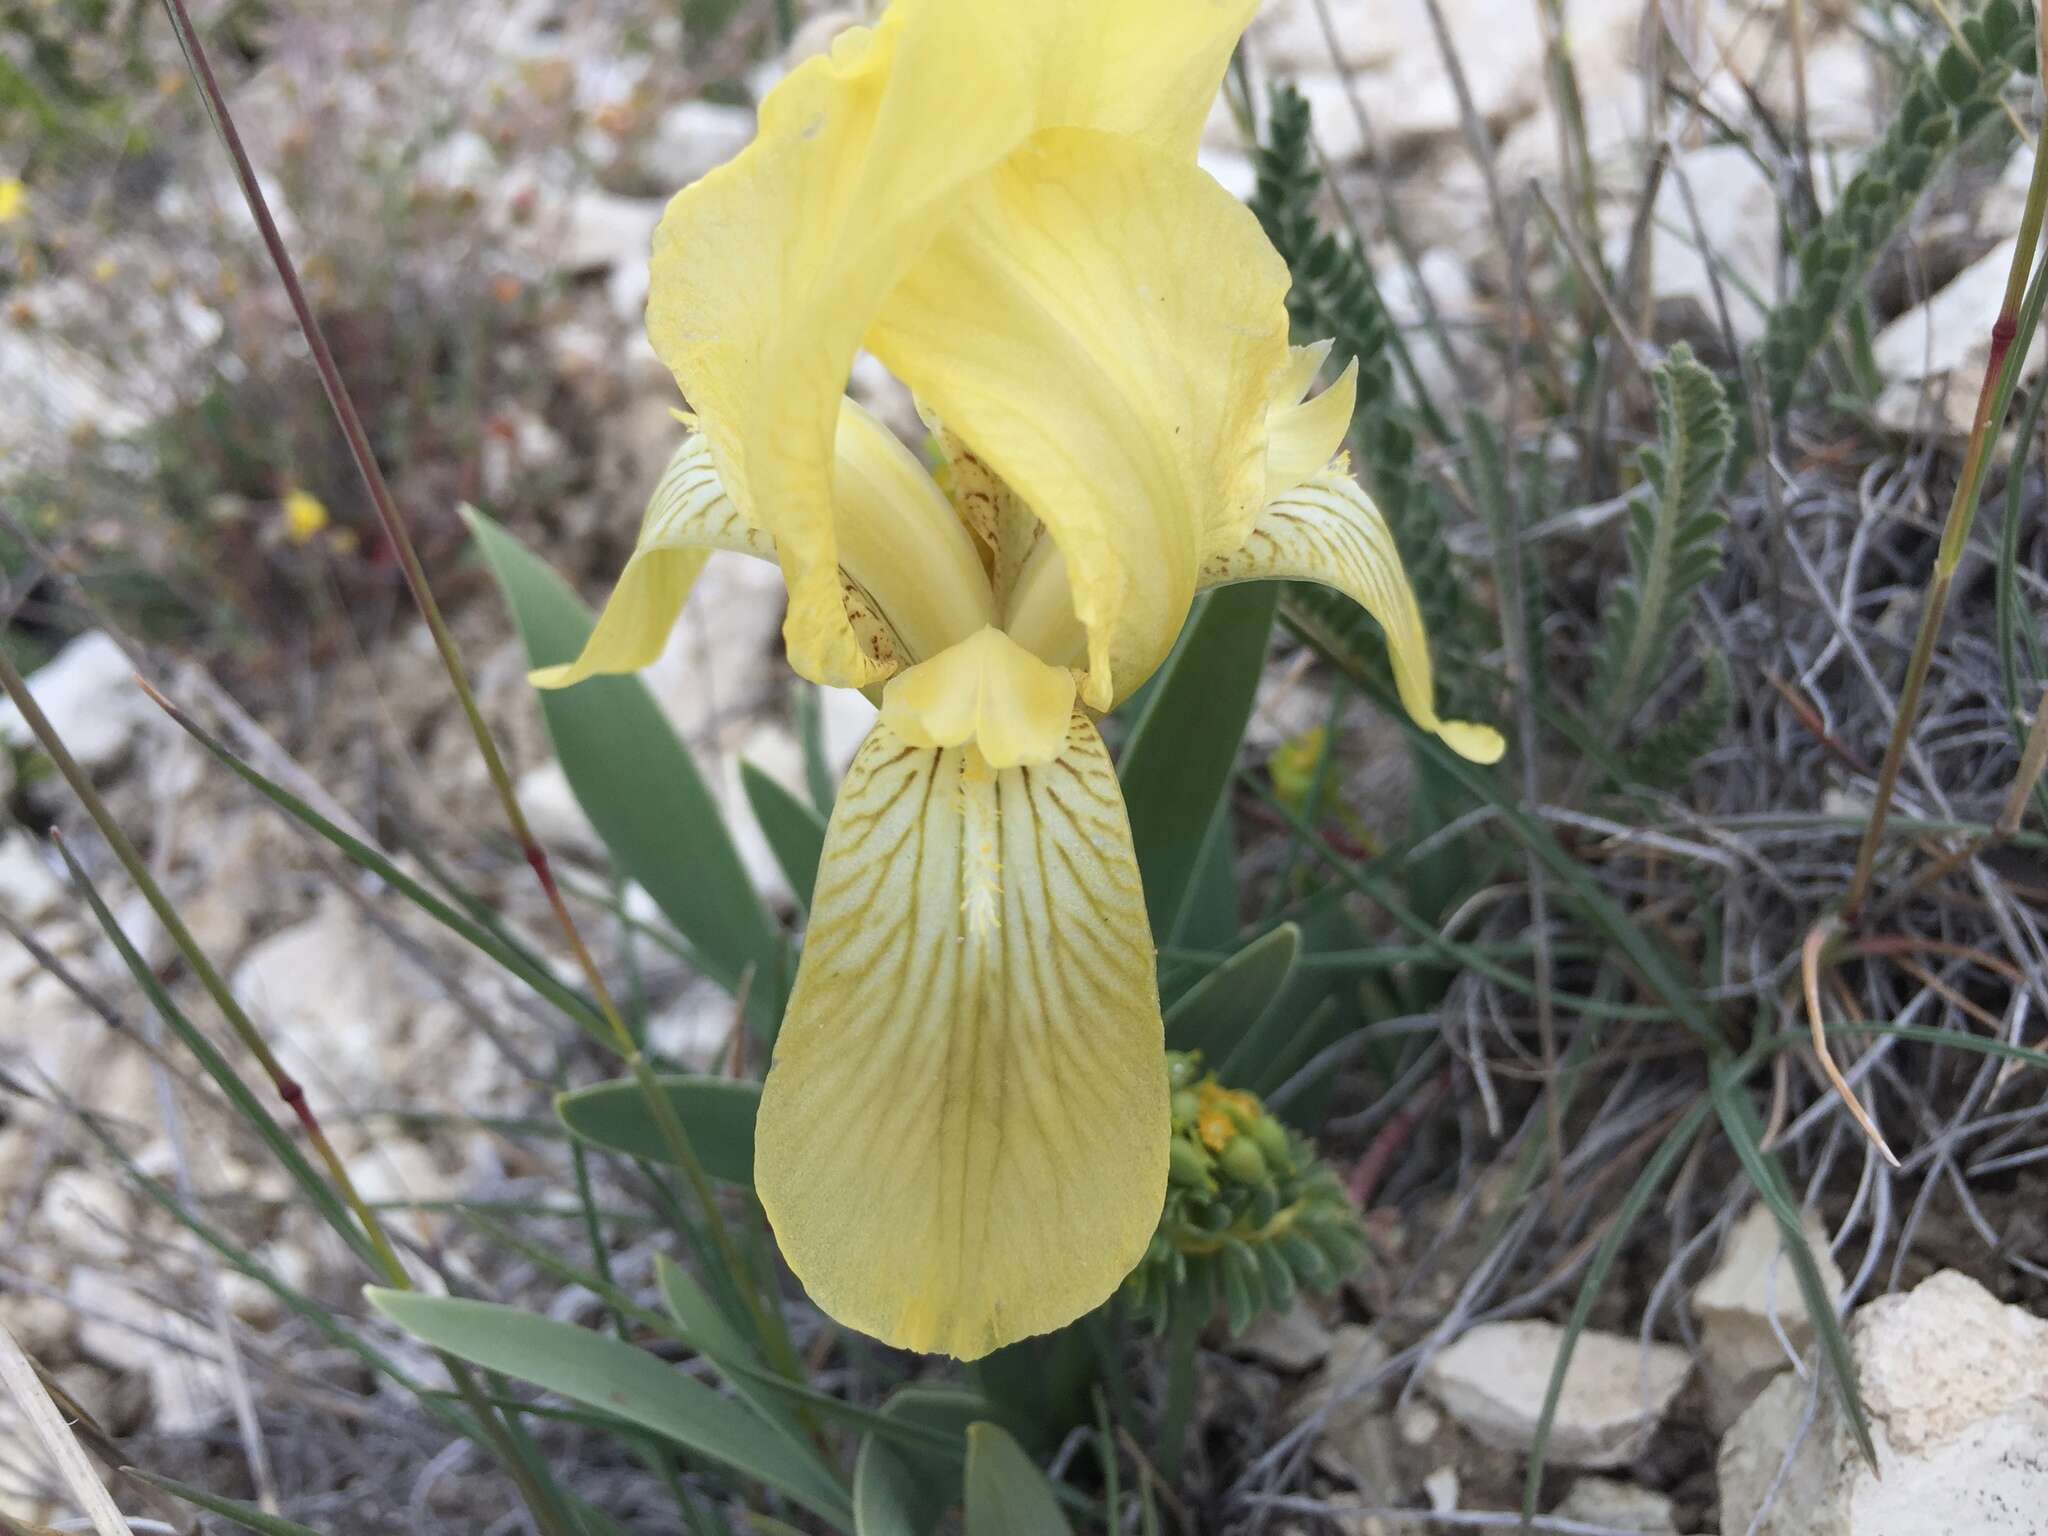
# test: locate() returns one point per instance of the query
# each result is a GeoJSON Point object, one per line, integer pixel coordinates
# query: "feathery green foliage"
{"type": "Point", "coordinates": [1334, 295]}
{"type": "Point", "coordinates": [1674, 532]}
{"type": "Point", "coordinates": [1945, 106]}
{"type": "Point", "coordinates": [1666, 754]}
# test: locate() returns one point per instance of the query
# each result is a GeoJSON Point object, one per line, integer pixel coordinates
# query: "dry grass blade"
{"type": "Point", "coordinates": [18, 1376]}
{"type": "Point", "coordinates": [2032, 760]}
{"type": "Point", "coordinates": [1810, 956]}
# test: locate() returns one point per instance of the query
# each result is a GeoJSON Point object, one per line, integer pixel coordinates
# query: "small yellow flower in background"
{"type": "Point", "coordinates": [13, 199]}
{"type": "Point", "coordinates": [964, 1135]}
{"type": "Point", "coordinates": [305, 517]}
{"type": "Point", "coordinates": [105, 270]}
{"type": "Point", "coordinates": [1296, 764]}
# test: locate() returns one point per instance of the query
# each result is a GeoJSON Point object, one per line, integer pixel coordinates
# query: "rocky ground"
{"type": "Point", "coordinates": [472, 194]}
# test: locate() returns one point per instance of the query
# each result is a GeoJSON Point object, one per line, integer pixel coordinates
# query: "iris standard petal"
{"type": "Point", "coordinates": [1104, 324]}
{"type": "Point", "coordinates": [767, 271]}
{"type": "Point", "coordinates": [900, 539]}
{"type": "Point", "coordinates": [963, 1137]}
{"type": "Point", "coordinates": [1147, 69]}
{"type": "Point", "coordinates": [1328, 530]}
{"type": "Point", "coordinates": [1303, 434]}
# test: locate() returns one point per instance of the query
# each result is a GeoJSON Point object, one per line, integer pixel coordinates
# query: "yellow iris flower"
{"type": "Point", "coordinates": [963, 1136]}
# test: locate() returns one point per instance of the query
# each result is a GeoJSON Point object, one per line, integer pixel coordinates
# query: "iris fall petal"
{"type": "Point", "coordinates": [1328, 530]}
{"type": "Point", "coordinates": [963, 1137]}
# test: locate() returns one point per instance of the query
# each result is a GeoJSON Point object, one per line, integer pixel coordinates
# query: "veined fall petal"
{"type": "Point", "coordinates": [688, 516]}
{"type": "Point", "coordinates": [963, 1137]}
{"type": "Point", "coordinates": [1155, 301]}
{"type": "Point", "coordinates": [1327, 530]}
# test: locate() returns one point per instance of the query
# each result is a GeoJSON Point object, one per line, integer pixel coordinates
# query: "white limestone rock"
{"type": "Point", "coordinates": [88, 691]}
{"type": "Point", "coordinates": [1737, 202]}
{"type": "Point", "coordinates": [1292, 1340]}
{"type": "Point", "coordinates": [1747, 1303]}
{"type": "Point", "coordinates": [1956, 1388]}
{"type": "Point", "coordinates": [554, 813]}
{"type": "Point", "coordinates": [1617, 1506]}
{"type": "Point", "coordinates": [87, 1215]}
{"type": "Point", "coordinates": [692, 138]}
{"type": "Point", "coordinates": [124, 1330]}
{"type": "Point", "coordinates": [1934, 355]}
{"type": "Point", "coordinates": [326, 993]}
{"type": "Point", "coordinates": [603, 231]}
{"type": "Point", "coordinates": [29, 891]}
{"type": "Point", "coordinates": [1354, 1438]}
{"type": "Point", "coordinates": [1494, 1379]}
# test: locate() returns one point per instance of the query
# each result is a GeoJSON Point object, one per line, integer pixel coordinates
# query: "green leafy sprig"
{"type": "Point", "coordinates": [1675, 529]}
{"type": "Point", "coordinates": [1252, 1216]}
{"type": "Point", "coordinates": [1949, 102]}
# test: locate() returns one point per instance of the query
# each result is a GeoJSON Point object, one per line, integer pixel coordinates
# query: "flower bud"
{"type": "Point", "coordinates": [1243, 1161]}
{"type": "Point", "coordinates": [1271, 1136]}
{"type": "Point", "coordinates": [1265, 1205]}
{"type": "Point", "coordinates": [1186, 1166]}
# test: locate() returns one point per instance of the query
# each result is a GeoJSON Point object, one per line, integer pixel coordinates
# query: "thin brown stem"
{"type": "Point", "coordinates": [1993, 395]}
{"type": "Point", "coordinates": [396, 532]}
{"type": "Point", "coordinates": [287, 1087]}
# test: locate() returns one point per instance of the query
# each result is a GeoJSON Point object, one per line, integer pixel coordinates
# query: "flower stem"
{"type": "Point", "coordinates": [2001, 374]}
